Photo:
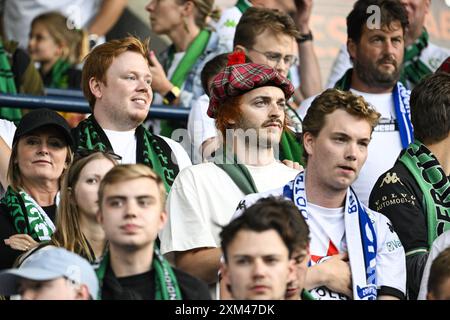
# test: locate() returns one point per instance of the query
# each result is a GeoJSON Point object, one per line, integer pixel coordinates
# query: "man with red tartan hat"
{"type": "Point", "coordinates": [247, 102]}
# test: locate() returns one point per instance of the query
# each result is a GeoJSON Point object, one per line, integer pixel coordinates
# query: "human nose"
{"type": "Point", "coordinates": [276, 111]}
{"type": "Point", "coordinates": [143, 85]}
{"type": "Point", "coordinates": [282, 67]}
{"type": "Point", "coordinates": [259, 268]}
{"type": "Point", "coordinates": [130, 209]}
{"type": "Point", "coordinates": [28, 294]}
{"type": "Point", "coordinates": [43, 148]}
{"type": "Point", "coordinates": [150, 6]}
{"type": "Point", "coordinates": [351, 152]}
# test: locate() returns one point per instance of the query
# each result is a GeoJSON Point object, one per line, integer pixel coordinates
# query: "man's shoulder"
{"type": "Point", "coordinates": [396, 179]}
{"type": "Point", "coordinates": [191, 287]}
{"type": "Point", "coordinates": [250, 199]}
{"type": "Point", "coordinates": [229, 18]}
{"type": "Point", "coordinates": [304, 106]}
{"type": "Point", "coordinates": [433, 55]}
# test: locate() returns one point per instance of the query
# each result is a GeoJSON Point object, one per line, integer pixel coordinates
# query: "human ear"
{"type": "Point", "coordinates": [94, 86]}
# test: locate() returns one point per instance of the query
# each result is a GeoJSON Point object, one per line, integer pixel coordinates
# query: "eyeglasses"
{"type": "Point", "coordinates": [83, 152]}
{"type": "Point", "coordinates": [289, 60]}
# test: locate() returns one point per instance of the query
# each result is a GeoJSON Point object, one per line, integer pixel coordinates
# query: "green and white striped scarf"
{"type": "Point", "coordinates": [434, 184]}
{"type": "Point", "coordinates": [7, 85]}
{"type": "Point", "coordinates": [27, 216]}
{"type": "Point", "coordinates": [413, 68]}
{"type": "Point", "coordinates": [151, 150]}
{"type": "Point", "coordinates": [166, 284]}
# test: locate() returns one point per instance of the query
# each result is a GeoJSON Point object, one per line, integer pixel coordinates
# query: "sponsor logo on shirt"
{"type": "Point", "coordinates": [393, 245]}
{"type": "Point", "coordinates": [394, 199]}
{"type": "Point", "coordinates": [391, 178]}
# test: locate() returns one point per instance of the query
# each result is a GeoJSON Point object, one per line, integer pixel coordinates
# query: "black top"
{"type": "Point", "coordinates": [7, 255]}
{"type": "Point", "coordinates": [397, 195]}
{"type": "Point", "coordinates": [142, 286]}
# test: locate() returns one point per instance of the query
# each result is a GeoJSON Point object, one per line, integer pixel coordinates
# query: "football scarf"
{"type": "Point", "coordinates": [433, 183]}
{"type": "Point", "coordinates": [236, 171]}
{"type": "Point", "coordinates": [193, 52]}
{"type": "Point", "coordinates": [151, 150]}
{"type": "Point", "coordinates": [401, 103]}
{"type": "Point", "coordinates": [7, 85]}
{"type": "Point", "coordinates": [362, 245]}
{"type": "Point", "coordinates": [166, 284]}
{"type": "Point", "coordinates": [413, 68]}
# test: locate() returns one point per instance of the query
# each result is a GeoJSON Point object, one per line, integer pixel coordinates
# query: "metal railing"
{"type": "Point", "coordinates": [67, 103]}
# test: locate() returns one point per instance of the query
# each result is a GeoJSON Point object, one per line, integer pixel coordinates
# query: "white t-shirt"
{"type": "Point", "coordinates": [202, 200]}
{"type": "Point", "coordinates": [327, 233]}
{"type": "Point", "coordinates": [7, 130]}
{"type": "Point", "coordinates": [226, 27]}
{"type": "Point", "coordinates": [384, 147]}
{"type": "Point", "coordinates": [440, 244]}
{"type": "Point", "coordinates": [124, 144]}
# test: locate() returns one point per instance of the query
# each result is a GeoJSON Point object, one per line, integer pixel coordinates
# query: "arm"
{"type": "Point", "coordinates": [110, 11]}
{"type": "Point", "coordinates": [203, 263]}
{"type": "Point", "coordinates": [311, 82]}
{"type": "Point", "coordinates": [397, 197]}
{"type": "Point", "coordinates": [160, 83]}
{"type": "Point", "coordinates": [334, 274]}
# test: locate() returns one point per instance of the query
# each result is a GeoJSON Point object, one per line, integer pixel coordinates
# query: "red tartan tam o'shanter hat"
{"type": "Point", "coordinates": [240, 78]}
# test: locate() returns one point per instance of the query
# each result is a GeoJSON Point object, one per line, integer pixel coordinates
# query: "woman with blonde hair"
{"type": "Point", "coordinates": [39, 159]}
{"type": "Point", "coordinates": [176, 72]}
{"type": "Point", "coordinates": [77, 229]}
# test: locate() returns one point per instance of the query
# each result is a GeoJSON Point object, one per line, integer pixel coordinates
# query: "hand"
{"type": "Point", "coordinates": [160, 83]}
{"type": "Point", "coordinates": [338, 274]}
{"type": "Point", "coordinates": [21, 242]}
{"type": "Point", "coordinates": [304, 9]}
{"type": "Point", "coordinates": [293, 165]}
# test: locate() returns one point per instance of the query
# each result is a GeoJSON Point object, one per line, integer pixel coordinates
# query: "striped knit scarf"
{"type": "Point", "coordinates": [60, 78]}
{"type": "Point", "coordinates": [434, 184]}
{"type": "Point", "coordinates": [7, 85]}
{"type": "Point", "coordinates": [166, 284]}
{"type": "Point", "coordinates": [413, 68]}
{"type": "Point", "coordinates": [27, 216]}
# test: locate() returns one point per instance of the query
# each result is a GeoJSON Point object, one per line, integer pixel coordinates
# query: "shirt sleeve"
{"type": "Point", "coordinates": [395, 196]}
{"type": "Point", "coordinates": [187, 227]}
{"type": "Point", "coordinates": [391, 264]}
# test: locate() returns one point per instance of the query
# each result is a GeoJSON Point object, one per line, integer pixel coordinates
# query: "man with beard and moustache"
{"type": "Point", "coordinates": [247, 102]}
{"type": "Point", "coordinates": [377, 55]}
{"type": "Point", "coordinates": [116, 80]}
{"type": "Point", "coordinates": [421, 56]}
